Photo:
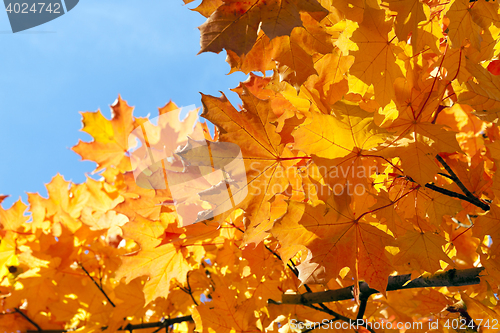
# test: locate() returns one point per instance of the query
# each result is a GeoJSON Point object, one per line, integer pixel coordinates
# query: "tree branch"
{"type": "Point", "coordinates": [190, 291]}
{"type": "Point", "coordinates": [362, 307]}
{"type": "Point", "coordinates": [463, 314]}
{"type": "Point", "coordinates": [39, 329]}
{"type": "Point", "coordinates": [130, 327]}
{"type": "Point", "coordinates": [295, 271]}
{"type": "Point", "coordinates": [453, 176]}
{"type": "Point", "coordinates": [97, 285]}
{"type": "Point", "coordinates": [164, 323]}
{"type": "Point", "coordinates": [451, 278]}
{"type": "Point", "coordinates": [448, 192]}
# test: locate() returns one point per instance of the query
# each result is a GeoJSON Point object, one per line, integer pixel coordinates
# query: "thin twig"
{"type": "Point", "coordinates": [130, 327]}
{"type": "Point", "coordinates": [294, 269]}
{"type": "Point", "coordinates": [190, 291]}
{"type": "Point", "coordinates": [97, 285]}
{"type": "Point", "coordinates": [448, 192]}
{"type": "Point", "coordinates": [454, 177]}
{"type": "Point", "coordinates": [460, 196]}
{"type": "Point", "coordinates": [464, 315]}
{"type": "Point", "coordinates": [309, 290]}
{"type": "Point", "coordinates": [445, 175]}
{"type": "Point", "coordinates": [207, 273]}
{"type": "Point", "coordinates": [164, 323]}
{"type": "Point", "coordinates": [475, 200]}
{"type": "Point", "coordinates": [28, 319]}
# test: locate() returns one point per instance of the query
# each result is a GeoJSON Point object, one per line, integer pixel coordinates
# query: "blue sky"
{"type": "Point", "coordinates": [143, 50]}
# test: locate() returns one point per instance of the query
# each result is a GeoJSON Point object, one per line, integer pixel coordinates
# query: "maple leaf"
{"type": "Point", "coordinates": [131, 302]}
{"type": "Point", "coordinates": [141, 201]}
{"type": "Point", "coordinates": [3, 197]}
{"type": "Point", "coordinates": [487, 225]}
{"type": "Point", "coordinates": [483, 95]}
{"type": "Point", "coordinates": [152, 258]}
{"type": "Point", "coordinates": [362, 94]}
{"type": "Point", "coordinates": [376, 58]}
{"type": "Point", "coordinates": [264, 156]}
{"type": "Point", "coordinates": [60, 206]}
{"type": "Point", "coordinates": [280, 17]}
{"type": "Point", "coordinates": [259, 58]}
{"type": "Point", "coordinates": [336, 239]}
{"type": "Point", "coordinates": [234, 25]}
{"type": "Point", "coordinates": [410, 14]}
{"type": "Point", "coordinates": [296, 65]}
{"type": "Point", "coordinates": [42, 287]}
{"type": "Point", "coordinates": [494, 67]}
{"type": "Point", "coordinates": [229, 315]}
{"type": "Point", "coordinates": [421, 251]}
{"type": "Point", "coordinates": [232, 22]}
{"type": "Point", "coordinates": [331, 83]}
{"type": "Point", "coordinates": [479, 311]}
{"type": "Point", "coordinates": [353, 129]}
{"type": "Point", "coordinates": [13, 218]}
{"type": "Point", "coordinates": [110, 142]}
{"type": "Point", "coordinates": [468, 20]}
{"type": "Point", "coordinates": [207, 7]}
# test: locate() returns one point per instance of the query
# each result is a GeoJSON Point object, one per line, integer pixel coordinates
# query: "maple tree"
{"type": "Point", "coordinates": [369, 138]}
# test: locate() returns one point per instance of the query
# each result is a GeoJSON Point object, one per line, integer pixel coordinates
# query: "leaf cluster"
{"type": "Point", "coordinates": [370, 152]}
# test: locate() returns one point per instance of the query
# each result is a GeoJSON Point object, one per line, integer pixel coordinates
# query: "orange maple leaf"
{"type": "Point", "coordinates": [110, 143]}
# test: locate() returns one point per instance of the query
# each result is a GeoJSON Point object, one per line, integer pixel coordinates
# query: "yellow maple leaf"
{"type": "Point", "coordinates": [110, 142]}
{"type": "Point", "coordinates": [333, 136]}
{"type": "Point", "coordinates": [335, 239]}
{"type": "Point", "coordinates": [376, 62]}
{"type": "Point", "coordinates": [152, 259]}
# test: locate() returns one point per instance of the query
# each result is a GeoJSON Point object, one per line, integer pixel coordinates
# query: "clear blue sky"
{"type": "Point", "coordinates": [143, 50]}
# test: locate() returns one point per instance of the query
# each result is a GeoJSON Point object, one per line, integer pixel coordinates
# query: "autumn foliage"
{"type": "Point", "coordinates": [368, 131]}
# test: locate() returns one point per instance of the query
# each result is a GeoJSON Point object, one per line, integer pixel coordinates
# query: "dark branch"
{"type": "Point", "coordinates": [362, 307]}
{"type": "Point", "coordinates": [469, 322]}
{"type": "Point", "coordinates": [473, 199]}
{"type": "Point", "coordinates": [190, 291]}
{"type": "Point", "coordinates": [454, 177]}
{"type": "Point", "coordinates": [447, 192]}
{"type": "Point", "coordinates": [452, 194]}
{"type": "Point", "coordinates": [97, 285]}
{"type": "Point", "coordinates": [295, 271]}
{"type": "Point", "coordinates": [164, 323]}
{"type": "Point", "coordinates": [130, 327]}
{"type": "Point", "coordinates": [39, 329]}
{"type": "Point", "coordinates": [451, 278]}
